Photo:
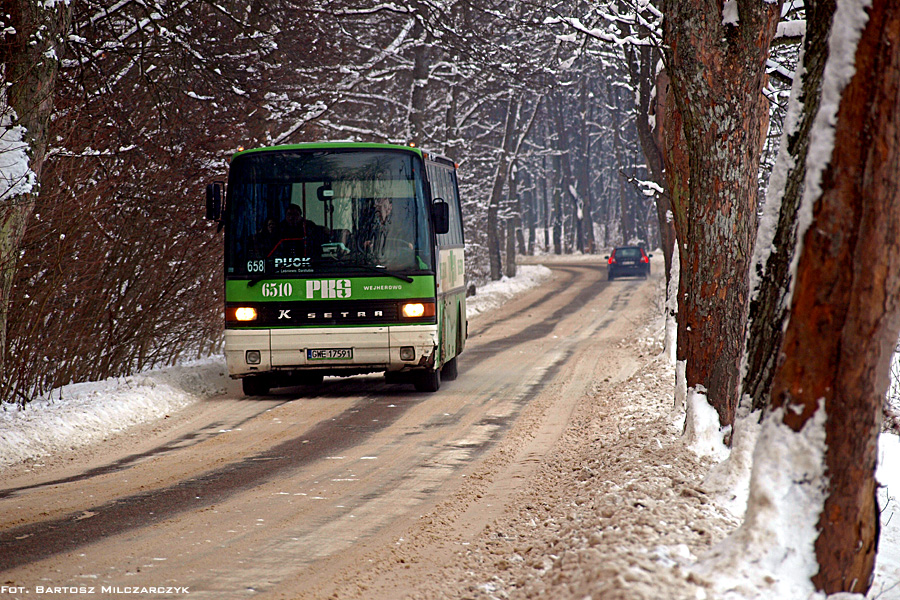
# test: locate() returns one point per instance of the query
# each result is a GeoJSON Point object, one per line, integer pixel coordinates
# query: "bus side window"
{"type": "Point", "coordinates": [437, 191]}
{"type": "Point", "coordinates": [455, 217]}
{"type": "Point", "coordinates": [443, 186]}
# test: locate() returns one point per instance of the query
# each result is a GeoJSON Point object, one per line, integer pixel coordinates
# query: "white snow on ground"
{"type": "Point", "coordinates": [887, 567]}
{"type": "Point", "coordinates": [81, 414]}
{"type": "Point", "coordinates": [493, 294]}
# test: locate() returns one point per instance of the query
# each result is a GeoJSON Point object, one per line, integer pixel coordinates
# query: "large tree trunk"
{"type": "Point", "coordinates": [845, 312]}
{"type": "Point", "coordinates": [717, 73]}
{"type": "Point", "coordinates": [30, 68]}
{"type": "Point", "coordinates": [771, 269]}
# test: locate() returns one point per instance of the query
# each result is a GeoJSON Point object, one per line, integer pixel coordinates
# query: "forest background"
{"type": "Point", "coordinates": [117, 270]}
{"type": "Point", "coordinates": [753, 133]}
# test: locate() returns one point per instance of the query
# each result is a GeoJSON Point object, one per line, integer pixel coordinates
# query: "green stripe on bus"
{"type": "Point", "coordinates": [328, 288]}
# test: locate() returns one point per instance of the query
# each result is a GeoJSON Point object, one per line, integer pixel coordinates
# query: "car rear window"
{"type": "Point", "coordinates": [628, 253]}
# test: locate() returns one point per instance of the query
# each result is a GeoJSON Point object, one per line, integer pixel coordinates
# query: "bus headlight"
{"type": "Point", "coordinates": [245, 313]}
{"type": "Point", "coordinates": [253, 357]}
{"type": "Point", "coordinates": [413, 310]}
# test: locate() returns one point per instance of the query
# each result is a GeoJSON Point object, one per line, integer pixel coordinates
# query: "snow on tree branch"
{"type": "Point", "coordinates": [16, 178]}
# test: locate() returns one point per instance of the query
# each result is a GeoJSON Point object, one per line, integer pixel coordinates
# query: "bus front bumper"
{"type": "Point", "coordinates": [331, 350]}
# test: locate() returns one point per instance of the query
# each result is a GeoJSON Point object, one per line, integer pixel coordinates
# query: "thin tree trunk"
{"type": "Point", "coordinates": [545, 193]}
{"type": "Point", "coordinates": [500, 175]}
{"type": "Point", "coordinates": [418, 101]}
{"type": "Point", "coordinates": [513, 226]}
{"type": "Point", "coordinates": [451, 146]}
{"type": "Point", "coordinates": [584, 170]}
{"type": "Point", "coordinates": [557, 207]}
{"type": "Point", "coordinates": [652, 145]}
{"type": "Point", "coordinates": [510, 269]}
{"type": "Point", "coordinates": [568, 182]}
{"type": "Point", "coordinates": [771, 268]}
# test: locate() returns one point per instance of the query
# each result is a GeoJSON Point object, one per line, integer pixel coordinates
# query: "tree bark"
{"type": "Point", "coordinates": [717, 74]}
{"type": "Point", "coordinates": [30, 61]}
{"type": "Point", "coordinates": [845, 312]}
{"type": "Point", "coordinates": [417, 100]}
{"type": "Point", "coordinates": [775, 244]}
{"type": "Point", "coordinates": [513, 224]}
{"type": "Point", "coordinates": [652, 146]}
{"type": "Point", "coordinates": [500, 175]}
{"type": "Point", "coordinates": [568, 181]}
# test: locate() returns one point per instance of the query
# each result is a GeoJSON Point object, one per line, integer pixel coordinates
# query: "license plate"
{"type": "Point", "coordinates": [329, 353]}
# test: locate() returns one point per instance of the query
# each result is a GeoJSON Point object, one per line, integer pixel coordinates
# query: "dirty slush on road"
{"type": "Point", "coordinates": [615, 511]}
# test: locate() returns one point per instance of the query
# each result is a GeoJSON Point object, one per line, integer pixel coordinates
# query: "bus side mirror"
{"type": "Point", "coordinates": [440, 214]}
{"type": "Point", "coordinates": [214, 201]}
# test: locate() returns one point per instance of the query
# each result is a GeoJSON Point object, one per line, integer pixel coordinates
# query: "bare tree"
{"type": "Point", "coordinates": [33, 39]}
{"type": "Point", "coordinates": [503, 158]}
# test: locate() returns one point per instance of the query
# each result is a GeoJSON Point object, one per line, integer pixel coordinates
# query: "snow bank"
{"type": "Point", "coordinates": [771, 555]}
{"type": "Point", "coordinates": [491, 295]}
{"type": "Point", "coordinates": [887, 562]}
{"type": "Point", "coordinates": [80, 414]}
{"type": "Point", "coordinates": [702, 433]}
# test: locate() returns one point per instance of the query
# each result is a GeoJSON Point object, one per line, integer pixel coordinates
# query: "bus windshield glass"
{"type": "Point", "coordinates": [308, 211]}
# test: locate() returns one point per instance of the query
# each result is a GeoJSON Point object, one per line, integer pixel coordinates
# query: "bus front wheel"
{"type": "Point", "coordinates": [428, 381]}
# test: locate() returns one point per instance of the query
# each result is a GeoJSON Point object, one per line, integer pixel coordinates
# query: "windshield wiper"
{"type": "Point", "coordinates": [384, 271]}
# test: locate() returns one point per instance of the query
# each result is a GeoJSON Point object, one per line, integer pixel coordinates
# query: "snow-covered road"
{"type": "Point", "coordinates": [592, 491]}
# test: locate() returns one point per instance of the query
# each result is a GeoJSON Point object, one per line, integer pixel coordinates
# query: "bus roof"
{"type": "Point", "coordinates": [348, 146]}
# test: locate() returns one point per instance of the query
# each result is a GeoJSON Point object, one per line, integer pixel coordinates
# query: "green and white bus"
{"type": "Point", "coordinates": [341, 259]}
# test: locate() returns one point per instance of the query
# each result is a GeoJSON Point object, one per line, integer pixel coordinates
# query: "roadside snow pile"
{"type": "Point", "coordinates": [491, 295]}
{"type": "Point", "coordinates": [887, 563]}
{"type": "Point", "coordinates": [83, 413]}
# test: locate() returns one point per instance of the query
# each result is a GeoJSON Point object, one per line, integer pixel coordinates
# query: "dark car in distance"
{"type": "Point", "coordinates": [628, 260]}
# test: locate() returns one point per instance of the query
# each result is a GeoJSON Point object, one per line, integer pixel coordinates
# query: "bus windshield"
{"type": "Point", "coordinates": [308, 211]}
